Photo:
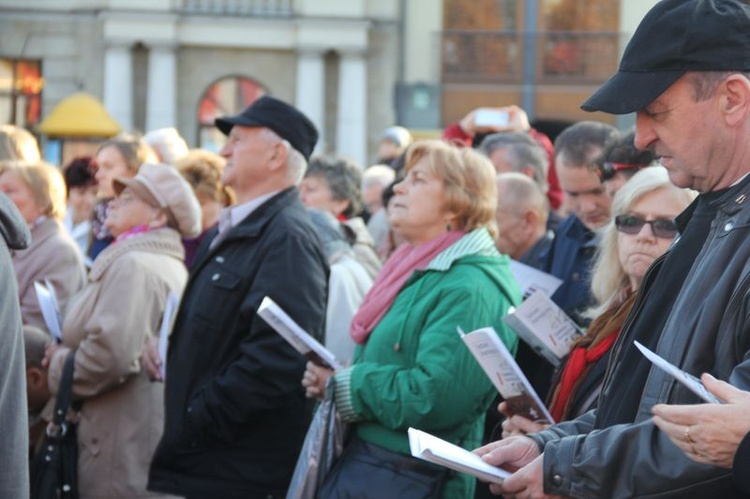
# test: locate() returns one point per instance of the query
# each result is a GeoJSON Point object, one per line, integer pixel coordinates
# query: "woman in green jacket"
{"type": "Point", "coordinates": [411, 368]}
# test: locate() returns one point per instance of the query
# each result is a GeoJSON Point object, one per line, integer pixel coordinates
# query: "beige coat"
{"type": "Point", "coordinates": [122, 416]}
{"type": "Point", "coordinates": [51, 255]}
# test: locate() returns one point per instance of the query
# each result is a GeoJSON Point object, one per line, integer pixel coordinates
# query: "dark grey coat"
{"type": "Point", "coordinates": [14, 422]}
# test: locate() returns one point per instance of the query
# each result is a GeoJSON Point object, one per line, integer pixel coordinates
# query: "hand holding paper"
{"type": "Point", "coordinates": [435, 450]}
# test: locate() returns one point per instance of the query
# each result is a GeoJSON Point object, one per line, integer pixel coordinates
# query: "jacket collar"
{"type": "Point", "coordinates": [729, 200]}
{"type": "Point", "coordinates": [476, 242]}
{"type": "Point", "coordinates": [164, 241]}
{"type": "Point", "coordinates": [253, 224]}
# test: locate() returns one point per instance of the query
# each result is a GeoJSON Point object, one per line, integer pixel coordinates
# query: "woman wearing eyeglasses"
{"type": "Point", "coordinates": [643, 228]}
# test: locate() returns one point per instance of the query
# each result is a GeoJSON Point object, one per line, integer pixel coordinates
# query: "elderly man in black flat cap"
{"type": "Point", "coordinates": [236, 414]}
{"type": "Point", "coordinates": [686, 74]}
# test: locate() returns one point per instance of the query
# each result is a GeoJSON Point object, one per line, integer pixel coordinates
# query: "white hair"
{"type": "Point", "coordinates": [381, 175]}
{"type": "Point", "coordinates": [167, 144]}
{"type": "Point", "coordinates": [296, 164]}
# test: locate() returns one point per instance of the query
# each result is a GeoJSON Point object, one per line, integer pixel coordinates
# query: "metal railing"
{"type": "Point", "coordinates": [506, 56]}
{"type": "Point", "coordinates": [259, 8]}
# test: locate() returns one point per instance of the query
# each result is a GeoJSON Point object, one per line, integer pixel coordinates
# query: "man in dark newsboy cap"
{"type": "Point", "coordinates": [236, 414]}
{"type": "Point", "coordinates": [685, 73]}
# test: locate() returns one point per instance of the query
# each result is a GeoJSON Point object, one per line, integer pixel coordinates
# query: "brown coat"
{"type": "Point", "coordinates": [122, 416]}
{"type": "Point", "coordinates": [51, 255]}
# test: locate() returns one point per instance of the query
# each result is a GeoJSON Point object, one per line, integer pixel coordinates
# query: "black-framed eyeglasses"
{"type": "Point", "coordinates": [609, 169]}
{"type": "Point", "coordinates": [661, 227]}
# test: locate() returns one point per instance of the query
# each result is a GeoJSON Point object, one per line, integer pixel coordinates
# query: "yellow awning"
{"type": "Point", "coordinates": [80, 115]}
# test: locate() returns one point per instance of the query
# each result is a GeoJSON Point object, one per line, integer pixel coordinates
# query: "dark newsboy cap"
{"type": "Point", "coordinates": [676, 36]}
{"type": "Point", "coordinates": [284, 119]}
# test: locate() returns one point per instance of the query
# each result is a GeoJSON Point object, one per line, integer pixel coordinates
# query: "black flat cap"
{"type": "Point", "coordinates": [284, 119]}
{"type": "Point", "coordinates": [676, 36]}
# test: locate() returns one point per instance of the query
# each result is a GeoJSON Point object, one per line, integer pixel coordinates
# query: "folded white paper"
{"type": "Point", "coordinates": [45, 293]}
{"type": "Point", "coordinates": [691, 382]}
{"type": "Point", "coordinates": [544, 326]}
{"type": "Point", "coordinates": [438, 451]}
{"type": "Point", "coordinates": [500, 366]}
{"type": "Point", "coordinates": [295, 335]}
{"type": "Point", "coordinates": [167, 320]}
{"type": "Point", "coordinates": [531, 279]}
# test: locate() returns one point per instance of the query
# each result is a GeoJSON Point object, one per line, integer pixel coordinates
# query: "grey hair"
{"type": "Point", "coordinates": [343, 177]}
{"type": "Point", "coordinates": [296, 164]}
{"type": "Point", "coordinates": [609, 281]}
{"type": "Point", "coordinates": [523, 151]}
{"type": "Point", "coordinates": [705, 83]}
{"type": "Point", "coordinates": [382, 175]}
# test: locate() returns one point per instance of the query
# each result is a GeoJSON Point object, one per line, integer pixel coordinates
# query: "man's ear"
{"type": "Point", "coordinates": [278, 156]}
{"type": "Point", "coordinates": [735, 99]}
{"type": "Point", "coordinates": [35, 376]}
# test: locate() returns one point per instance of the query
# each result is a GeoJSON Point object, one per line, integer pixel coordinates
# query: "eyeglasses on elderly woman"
{"type": "Point", "coordinates": [632, 224]}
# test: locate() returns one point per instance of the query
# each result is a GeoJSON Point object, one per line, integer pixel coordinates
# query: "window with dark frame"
{"type": "Point", "coordinates": [21, 85]}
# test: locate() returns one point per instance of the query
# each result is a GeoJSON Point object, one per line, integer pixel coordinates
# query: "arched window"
{"type": "Point", "coordinates": [226, 96]}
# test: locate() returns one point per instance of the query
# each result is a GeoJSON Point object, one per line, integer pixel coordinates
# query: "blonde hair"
{"type": "Point", "coordinates": [609, 282]}
{"type": "Point", "coordinates": [468, 180]}
{"type": "Point", "coordinates": [202, 169]}
{"type": "Point", "coordinates": [17, 144]}
{"type": "Point", "coordinates": [46, 184]}
{"type": "Point", "coordinates": [133, 150]}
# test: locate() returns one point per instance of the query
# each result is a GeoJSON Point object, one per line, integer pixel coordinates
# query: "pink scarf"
{"type": "Point", "coordinates": [397, 269]}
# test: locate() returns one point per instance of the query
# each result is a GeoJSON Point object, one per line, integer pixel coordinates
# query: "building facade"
{"type": "Point", "coordinates": [158, 63]}
{"type": "Point", "coordinates": [354, 66]}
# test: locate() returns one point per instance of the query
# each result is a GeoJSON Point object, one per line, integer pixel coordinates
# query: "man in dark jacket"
{"type": "Point", "coordinates": [236, 414]}
{"type": "Point", "coordinates": [14, 463]}
{"type": "Point", "coordinates": [686, 74]}
{"type": "Point", "coordinates": [571, 254]}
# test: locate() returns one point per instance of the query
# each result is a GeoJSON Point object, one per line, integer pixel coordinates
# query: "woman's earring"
{"type": "Point", "coordinates": [448, 227]}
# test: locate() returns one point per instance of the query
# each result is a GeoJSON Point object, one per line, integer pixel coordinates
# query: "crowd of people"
{"type": "Point", "coordinates": [645, 229]}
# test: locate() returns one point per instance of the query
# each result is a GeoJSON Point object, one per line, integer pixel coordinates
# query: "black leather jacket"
{"type": "Point", "coordinates": [707, 331]}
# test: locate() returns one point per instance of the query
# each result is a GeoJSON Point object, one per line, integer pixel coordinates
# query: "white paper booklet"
{"type": "Point", "coordinates": [500, 366]}
{"type": "Point", "coordinates": [167, 321]}
{"type": "Point", "coordinates": [295, 335]}
{"type": "Point", "coordinates": [691, 382]}
{"type": "Point", "coordinates": [45, 293]}
{"type": "Point", "coordinates": [531, 279]}
{"type": "Point", "coordinates": [438, 451]}
{"type": "Point", "coordinates": [544, 326]}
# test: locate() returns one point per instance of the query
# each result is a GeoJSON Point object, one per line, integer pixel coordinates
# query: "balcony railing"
{"type": "Point", "coordinates": [505, 56]}
{"type": "Point", "coordinates": [259, 8]}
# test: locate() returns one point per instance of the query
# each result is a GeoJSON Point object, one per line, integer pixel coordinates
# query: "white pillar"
{"type": "Point", "coordinates": [161, 100]}
{"type": "Point", "coordinates": [118, 84]}
{"type": "Point", "coordinates": [311, 91]}
{"type": "Point", "coordinates": [351, 123]}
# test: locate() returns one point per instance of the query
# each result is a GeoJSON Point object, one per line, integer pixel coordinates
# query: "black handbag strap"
{"type": "Point", "coordinates": [64, 393]}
